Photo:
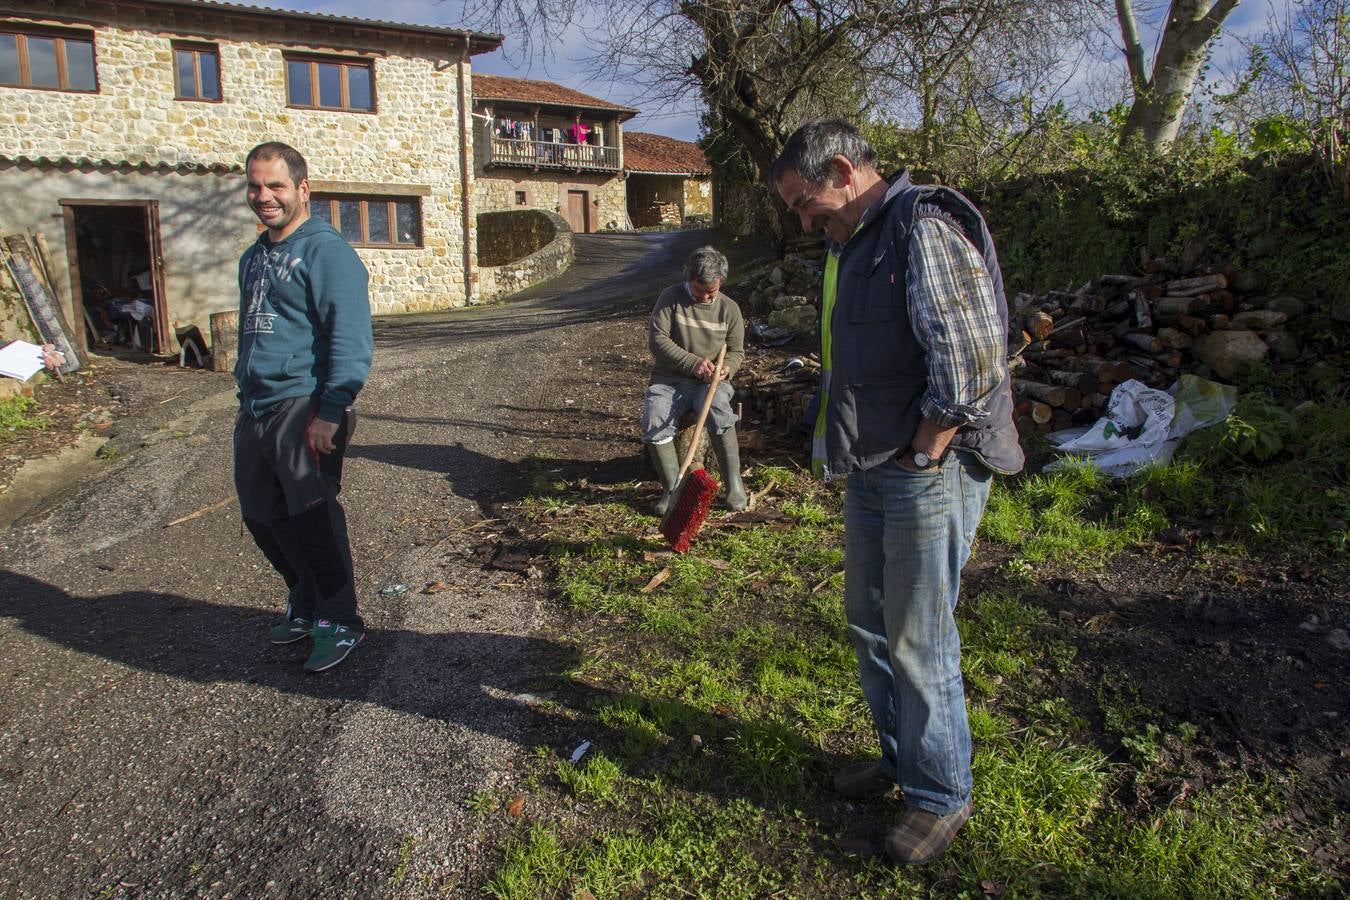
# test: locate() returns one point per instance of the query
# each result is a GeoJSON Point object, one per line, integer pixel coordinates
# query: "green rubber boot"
{"type": "Point", "coordinates": [729, 461]}
{"type": "Point", "coordinates": [667, 469]}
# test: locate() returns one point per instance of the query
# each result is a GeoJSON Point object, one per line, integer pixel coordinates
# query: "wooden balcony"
{"type": "Point", "coordinates": [549, 155]}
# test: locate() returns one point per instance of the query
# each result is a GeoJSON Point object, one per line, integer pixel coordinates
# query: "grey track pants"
{"type": "Point", "coordinates": [288, 495]}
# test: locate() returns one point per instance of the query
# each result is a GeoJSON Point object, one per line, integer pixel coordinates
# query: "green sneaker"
{"type": "Point", "coordinates": [290, 631]}
{"type": "Point", "coordinates": [332, 643]}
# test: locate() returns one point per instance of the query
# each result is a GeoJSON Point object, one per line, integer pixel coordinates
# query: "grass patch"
{"type": "Point", "coordinates": [1265, 475]}
{"type": "Point", "coordinates": [721, 700]}
{"type": "Point", "coordinates": [17, 414]}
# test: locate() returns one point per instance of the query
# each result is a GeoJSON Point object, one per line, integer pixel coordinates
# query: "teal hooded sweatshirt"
{"type": "Point", "coordinates": [304, 322]}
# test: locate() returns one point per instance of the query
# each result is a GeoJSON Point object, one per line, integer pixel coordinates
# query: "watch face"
{"type": "Point", "coordinates": [921, 459]}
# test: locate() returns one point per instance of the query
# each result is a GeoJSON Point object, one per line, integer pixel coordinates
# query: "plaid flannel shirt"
{"type": "Point", "coordinates": [955, 319]}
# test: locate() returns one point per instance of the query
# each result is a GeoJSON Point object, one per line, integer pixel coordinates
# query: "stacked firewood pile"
{"type": "Point", "coordinates": [1068, 350]}
{"type": "Point", "coordinates": [774, 391]}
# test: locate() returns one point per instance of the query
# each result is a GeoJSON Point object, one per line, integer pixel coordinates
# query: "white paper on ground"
{"type": "Point", "coordinates": [20, 359]}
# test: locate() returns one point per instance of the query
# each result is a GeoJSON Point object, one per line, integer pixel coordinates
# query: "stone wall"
{"type": "Point", "coordinates": [496, 189]}
{"type": "Point", "coordinates": [409, 145]}
{"type": "Point", "coordinates": [517, 230]}
{"type": "Point", "coordinates": [508, 235]}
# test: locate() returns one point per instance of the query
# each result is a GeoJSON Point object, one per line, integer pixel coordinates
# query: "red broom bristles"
{"type": "Point", "coordinates": [694, 497]}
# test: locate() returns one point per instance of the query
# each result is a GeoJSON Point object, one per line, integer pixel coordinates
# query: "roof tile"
{"type": "Point", "coordinates": [546, 93]}
{"type": "Point", "coordinates": [658, 154]}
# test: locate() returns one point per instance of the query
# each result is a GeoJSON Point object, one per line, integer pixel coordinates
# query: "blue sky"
{"type": "Point", "coordinates": [565, 64]}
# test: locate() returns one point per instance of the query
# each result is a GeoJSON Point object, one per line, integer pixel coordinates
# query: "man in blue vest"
{"type": "Point", "coordinates": [916, 412]}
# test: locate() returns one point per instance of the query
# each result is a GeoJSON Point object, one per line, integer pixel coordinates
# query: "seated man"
{"type": "Point", "coordinates": [691, 322]}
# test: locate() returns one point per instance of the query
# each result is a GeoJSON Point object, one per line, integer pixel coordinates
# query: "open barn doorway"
{"type": "Point", "coordinates": [116, 269]}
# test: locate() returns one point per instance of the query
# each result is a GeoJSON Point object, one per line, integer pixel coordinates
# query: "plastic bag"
{"type": "Point", "coordinates": [1143, 425]}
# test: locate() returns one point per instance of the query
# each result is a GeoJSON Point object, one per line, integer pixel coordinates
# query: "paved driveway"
{"type": "Point", "coordinates": [152, 743]}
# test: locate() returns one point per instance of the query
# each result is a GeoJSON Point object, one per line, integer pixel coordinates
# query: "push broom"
{"type": "Point", "coordinates": [693, 494]}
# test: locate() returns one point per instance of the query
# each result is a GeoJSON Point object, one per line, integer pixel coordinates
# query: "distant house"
{"type": "Point", "coordinates": [544, 146]}
{"type": "Point", "coordinates": [124, 125]}
{"type": "Point", "coordinates": [669, 181]}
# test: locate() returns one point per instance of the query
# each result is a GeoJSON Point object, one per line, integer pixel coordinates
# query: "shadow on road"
{"type": "Point", "coordinates": [511, 687]}
{"type": "Point", "coordinates": [487, 480]}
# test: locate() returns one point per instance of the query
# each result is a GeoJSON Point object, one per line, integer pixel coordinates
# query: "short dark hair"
{"type": "Point", "coordinates": [295, 163]}
{"type": "Point", "coordinates": [811, 150]}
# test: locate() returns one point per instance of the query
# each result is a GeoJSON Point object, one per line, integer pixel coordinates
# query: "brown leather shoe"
{"type": "Point", "coordinates": [923, 836]}
{"type": "Point", "coordinates": [863, 781]}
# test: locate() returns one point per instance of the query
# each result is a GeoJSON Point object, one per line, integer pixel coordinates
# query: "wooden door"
{"type": "Point", "coordinates": [578, 211]}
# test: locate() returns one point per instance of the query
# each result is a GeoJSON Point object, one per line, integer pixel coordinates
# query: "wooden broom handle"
{"type": "Point", "coordinates": [703, 415]}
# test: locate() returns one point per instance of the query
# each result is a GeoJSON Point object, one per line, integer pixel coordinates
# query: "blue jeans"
{"type": "Point", "coordinates": [664, 404]}
{"type": "Point", "coordinates": [906, 536]}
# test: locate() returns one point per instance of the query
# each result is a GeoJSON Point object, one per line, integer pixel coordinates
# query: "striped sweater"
{"type": "Point", "coordinates": [682, 331]}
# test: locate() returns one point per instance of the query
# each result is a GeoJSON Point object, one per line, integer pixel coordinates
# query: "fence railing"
{"type": "Point", "coordinates": [548, 154]}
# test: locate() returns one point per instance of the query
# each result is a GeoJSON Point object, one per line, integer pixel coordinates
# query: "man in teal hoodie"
{"type": "Point", "coordinates": [305, 348]}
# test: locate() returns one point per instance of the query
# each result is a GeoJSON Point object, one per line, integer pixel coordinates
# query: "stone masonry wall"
{"type": "Point", "coordinates": [508, 235]}
{"type": "Point", "coordinates": [496, 189]}
{"type": "Point", "coordinates": [517, 229]}
{"type": "Point", "coordinates": [412, 140]}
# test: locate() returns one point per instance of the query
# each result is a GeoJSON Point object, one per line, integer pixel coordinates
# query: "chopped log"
{"type": "Point", "coordinates": [1025, 425]}
{"type": "Point", "coordinates": [1183, 287]}
{"type": "Point", "coordinates": [1192, 325]}
{"type": "Point", "coordinates": [1040, 412]}
{"type": "Point", "coordinates": [1143, 315]}
{"type": "Point", "coordinates": [1083, 381]}
{"type": "Point", "coordinates": [1089, 303]}
{"type": "Point", "coordinates": [1175, 307]}
{"type": "Point", "coordinates": [1146, 342]}
{"type": "Point", "coordinates": [1046, 393]}
{"type": "Point", "coordinates": [1039, 324]}
{"type": "Point", "coordinates": [1121, 280]}
{"type": "Point", "coordinates": [1060, 419]}
{"type": "Point", "coordinates": [1076, 336]}
{"type": "Point", "coordinates": [1098, 368]}
{"type": "Point", "coordinates": [1073, 398]}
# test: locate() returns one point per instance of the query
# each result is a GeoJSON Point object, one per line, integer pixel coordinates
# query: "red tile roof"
{"type": "Point", "coordinates": [544, 93]}
{"type": "Point", "coordinates": [661, 155]}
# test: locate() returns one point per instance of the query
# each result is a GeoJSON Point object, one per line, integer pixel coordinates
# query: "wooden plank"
{"type": "Point", "coordinates": [46, 312]}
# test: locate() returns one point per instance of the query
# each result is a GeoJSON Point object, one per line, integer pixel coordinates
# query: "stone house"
{"type": "Point", "coordinates": [669, 181]}
{"type": "Point", "coordinates": [124, 125]}
{"type": "Point", "coordinates": [544, 146]}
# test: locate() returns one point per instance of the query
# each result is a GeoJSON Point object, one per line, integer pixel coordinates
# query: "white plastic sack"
{"type": "Point", "coordinates": [1143, 425]}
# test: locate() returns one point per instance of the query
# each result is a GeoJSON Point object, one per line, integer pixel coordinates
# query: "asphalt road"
{"type": "Point", "coordinates": [152, 743]}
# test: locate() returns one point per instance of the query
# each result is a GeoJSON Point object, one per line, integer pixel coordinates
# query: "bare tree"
{"type": "Point", "coordinates": [763, 66]}
{"type": "Point", "coordinates": [1162, 93]}
{"type": "Point", "coordinates": [1302, 66]}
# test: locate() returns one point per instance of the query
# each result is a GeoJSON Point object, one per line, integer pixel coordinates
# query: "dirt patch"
{"type": "Point", "coordinates": [109, 405]}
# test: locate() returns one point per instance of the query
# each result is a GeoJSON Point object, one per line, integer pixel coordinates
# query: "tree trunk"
{"type": "Point", "coordinates": [1160, 98]}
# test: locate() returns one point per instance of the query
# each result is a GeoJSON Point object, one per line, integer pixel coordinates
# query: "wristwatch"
{"type": "Point", "coordinates": [923, 460]}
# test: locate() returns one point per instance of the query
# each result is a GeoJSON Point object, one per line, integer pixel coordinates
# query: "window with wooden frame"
{"type": "Point", "coordinates": [54, 59]}
{"type": "Point", "coordinates": [196, 71]}
{"type": "Point", "coordinates": [329, 82]}
{"type": "Point", "coordinates": [371, 221]}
